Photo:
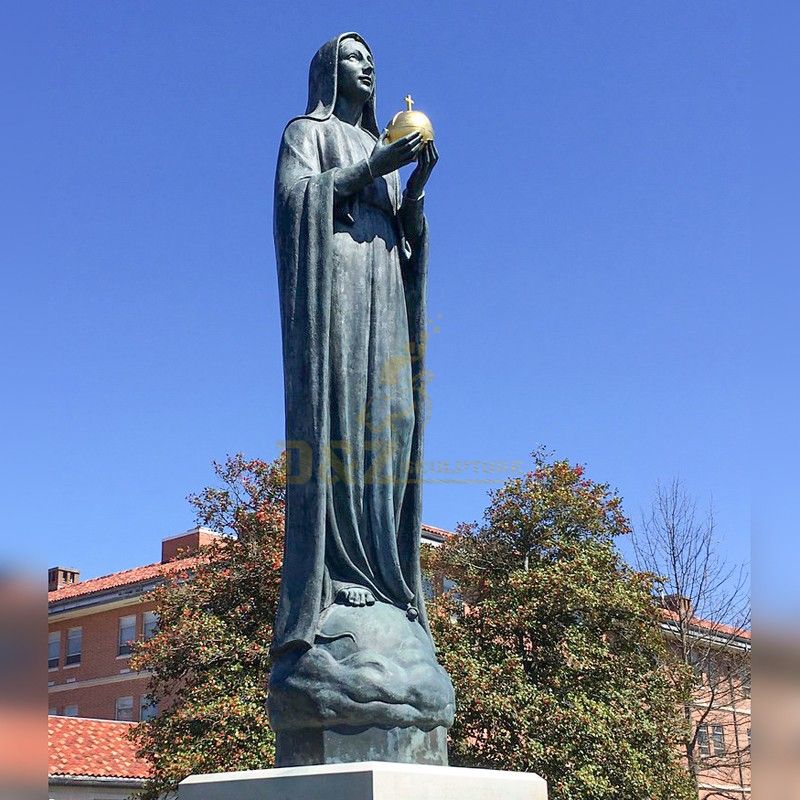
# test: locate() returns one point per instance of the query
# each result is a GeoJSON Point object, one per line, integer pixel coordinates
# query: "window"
{"type": "Point", "coordinates": [53, 649]}
{"type": "Point", "coordinates": [714, 670]}
{"type": "Point", "coordinates": [74, 639]}
{"type": "Point", "coordinates": [52, 711]}
{"type": "Point", "coordinates": [149, 624]}
{"type": "Point", "coordinates": [127, 633]}
{"type": "Point", "coordinates": [718, 739]}
{"type": "Point", "coordinates": [702, 740]}
{"type": "Point", "coordinates": [147, 708]}
{"type": "Point", "coordinates": [746, 682]}
{"type": "Point", "coordinates": [696, 663]}
{"type": "Point", "coordinates": [123, 709]}
{"type": "Point", "coordinates": [713, 745]}
{"type": "Point", "coordinates": [71, 711]}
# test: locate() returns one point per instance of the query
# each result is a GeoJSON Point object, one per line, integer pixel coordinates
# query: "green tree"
{"type": "Point", "coordinates": [554, 646]}
{"type": "Point", "coordinates": [209, 659]}
{"type": "Point", "coordinates": [553, 643]}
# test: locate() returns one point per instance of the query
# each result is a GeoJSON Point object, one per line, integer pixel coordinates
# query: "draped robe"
{"type": "Point", "coordinates": [352, 291]}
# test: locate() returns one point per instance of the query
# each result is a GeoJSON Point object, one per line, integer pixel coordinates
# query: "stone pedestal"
{"type": "Point", "coordinates": [366, 780]}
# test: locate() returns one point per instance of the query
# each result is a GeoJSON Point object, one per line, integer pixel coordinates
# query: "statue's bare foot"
{"type": "Point", "coordinates": [355, 596]}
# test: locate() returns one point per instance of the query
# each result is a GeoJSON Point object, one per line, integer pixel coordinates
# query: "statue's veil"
{"type": "Point", "coordinates": [322, 79]}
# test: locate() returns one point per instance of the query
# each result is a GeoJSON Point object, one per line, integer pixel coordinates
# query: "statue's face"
{"type": "Point", "coordinates": [356, 78]}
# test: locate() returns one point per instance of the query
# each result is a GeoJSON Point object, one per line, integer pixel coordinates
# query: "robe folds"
{"type": "Point", "coordinates": [352, 290]}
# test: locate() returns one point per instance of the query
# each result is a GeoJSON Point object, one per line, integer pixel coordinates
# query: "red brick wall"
{"type": "Point", "coordinates": [99, 659]}
{"type": "Point", "coordinates": [730, 709]}
{"type": "Point", "coordinates": [99, 702]}
{"type": "Point", "coordinates": [189, 542]}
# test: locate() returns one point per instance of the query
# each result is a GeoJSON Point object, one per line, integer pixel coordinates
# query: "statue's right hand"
{"type": "Point", "coordinates": [386, 158]}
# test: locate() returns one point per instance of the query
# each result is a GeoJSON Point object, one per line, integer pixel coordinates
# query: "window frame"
{"type": "Point", "coordinates": [711, 739]}
{"type": "Point", "coordinates": [125, 648]}
{"type": "Point", "coordinates": [152, 624]}
{"type": "Point", "coordinates": [717, 739]}
{"type": "Point", "coordinates": [746, 682]}
{"type": "Point", "coordinates": [147, 709]}
{"type": "Point", "coordinates": [73, 659]}
{"type": "Point", "coordinates": [703, 740]}
{"type": "Point", "coordinates": [117, 708]}
{"type": "Point", "coordinates": [53, 637]}
{"type": "Point", "coordinates": [698, 667]}
{"type": "Point", "coordinates": [714, 670]}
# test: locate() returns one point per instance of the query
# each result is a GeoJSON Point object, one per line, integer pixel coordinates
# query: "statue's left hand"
{"type": "Point", "coordinates": [426, 161]}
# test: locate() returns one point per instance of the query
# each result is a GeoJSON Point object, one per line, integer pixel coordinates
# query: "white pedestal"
{"type": "Point", "coordinates": [365, 780]}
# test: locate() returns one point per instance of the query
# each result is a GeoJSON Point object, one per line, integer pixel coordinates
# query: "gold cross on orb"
{"type": "Point", "coordinates": [409, 121]}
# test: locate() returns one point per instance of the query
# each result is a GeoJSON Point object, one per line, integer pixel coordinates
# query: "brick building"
{"type": "Point", "coordinates": [91, 623]}
{"type": "Point", "coordinates": [719, 714]}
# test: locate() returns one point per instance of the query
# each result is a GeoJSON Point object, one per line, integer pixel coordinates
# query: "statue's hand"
{"type": "Point", "coordinates": [426, 161]}
{"type": "Point", "coordinates": [386, 158]}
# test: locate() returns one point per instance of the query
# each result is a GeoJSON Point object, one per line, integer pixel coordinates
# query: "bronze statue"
{"type": "Point", "coordinates": [355, 673]}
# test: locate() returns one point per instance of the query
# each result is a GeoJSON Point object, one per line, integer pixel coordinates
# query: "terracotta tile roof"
{"type": "Point", "coordinates": [717, 628]}
{"type": "Point", "coordinates": [436, 531]}
{"type": "Point", "coordinates": [117, 579]}
{"type": "Point", "coordinates": [92, 747]}
{"type": "Point", "coordinates": [128, 577]}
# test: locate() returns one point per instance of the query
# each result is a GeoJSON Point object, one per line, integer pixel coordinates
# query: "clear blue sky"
{"type": "Point", "coordinates": [589, 266]}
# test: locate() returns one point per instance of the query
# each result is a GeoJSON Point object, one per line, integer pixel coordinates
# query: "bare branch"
{"type": "Point", "coordinates": [707, 601]}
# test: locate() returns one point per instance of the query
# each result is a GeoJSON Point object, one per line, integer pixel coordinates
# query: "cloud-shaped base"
{"type": "Point", "coordinates": [371, 667]}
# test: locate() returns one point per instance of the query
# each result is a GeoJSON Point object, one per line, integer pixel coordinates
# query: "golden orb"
{"type": "Point", "coordinates": [408, 121]}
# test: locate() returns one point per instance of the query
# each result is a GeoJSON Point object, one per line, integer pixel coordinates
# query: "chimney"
{"type": "Point", "coordinates": [677, 603]}
{"type": "Point", "coordinates": [59, 577]}
{"type": "Point", "coordinates": [184, 544]}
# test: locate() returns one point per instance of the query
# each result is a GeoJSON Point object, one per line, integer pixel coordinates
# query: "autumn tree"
{"type": "Point", "coordinates": [707, 612]}
{"type": "Point", "coordinates": [554, 645]}
{"type": "Point", "coordinates": [552, 641]}
{"type": "Point", "coordinates": [209, 659]}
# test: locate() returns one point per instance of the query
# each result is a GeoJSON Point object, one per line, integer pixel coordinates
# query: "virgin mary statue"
{"type": "Point", "coordinates": [351, 248]}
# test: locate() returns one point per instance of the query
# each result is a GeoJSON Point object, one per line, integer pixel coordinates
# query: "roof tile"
{"type": "Point", "coordinates": [709, 626]}
{"type": "Point", "coordinates": [117, 579]}
{"type": "Point", "coordinates": [92, 747]}
{"type": "Point", "coordinates": [148, 572]}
